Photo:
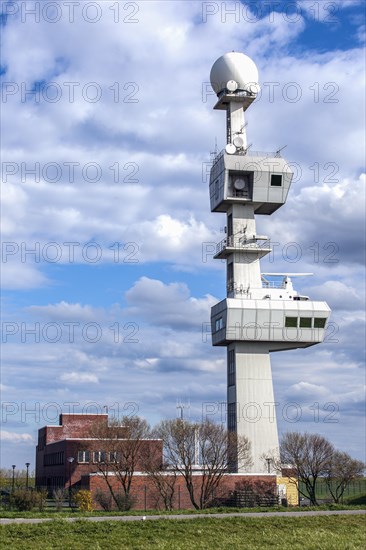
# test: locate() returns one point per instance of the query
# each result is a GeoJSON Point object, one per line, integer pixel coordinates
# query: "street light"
{"type": "Point", "coordinates": [13, 478]}
{"type": "Point", "coordinates": [70, 460]}
{"type": "Point", "coordinates": [27, 478]}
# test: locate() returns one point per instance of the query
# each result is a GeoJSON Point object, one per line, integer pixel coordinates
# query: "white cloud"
{"type": "Point", "coordinates": [14, 437]}
{"type": "Point", "coordinates": [66, 311]}
{"type": "Point", "coordinates": [79, 378]}
{"type": "Point", "coordinates": [169, 305]}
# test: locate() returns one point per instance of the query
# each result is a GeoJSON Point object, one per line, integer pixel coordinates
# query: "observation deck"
{"type": "Point", "coordinates": [255, 247]}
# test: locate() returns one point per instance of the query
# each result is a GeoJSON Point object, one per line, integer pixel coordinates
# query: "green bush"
{"type": "Point", "coordinates": [124, 502]}
{"type": "Point", "coordinates": [23, 500]}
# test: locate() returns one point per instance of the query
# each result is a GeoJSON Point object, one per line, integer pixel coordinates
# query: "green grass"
{"type": "Point", "coordinates": [66, 512]}
{"type": "Point", "coordinates": [310, 533]}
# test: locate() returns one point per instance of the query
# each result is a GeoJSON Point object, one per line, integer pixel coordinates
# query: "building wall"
{"type": "Point", "coordinates": [75, 433]}
{"type": "Point", "coordinates": [146, 496]}
{"type": "Point", "coordinates": [290, 485]}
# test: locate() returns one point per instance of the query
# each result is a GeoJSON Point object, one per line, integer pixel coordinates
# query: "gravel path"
{"type": "Point", "coordinates": [6, 521]}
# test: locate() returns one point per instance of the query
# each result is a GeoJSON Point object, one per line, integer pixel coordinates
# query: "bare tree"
{"type": "Point", "coordinates": [122, 445]}
{"type": "Point", "coordinates": [163, 480]}
{"type": "Point", "coordinates": [308, 455]}
{"type": "Point", "coordinates": [202, 448]}
{"type": "Point", "coordinates": [340, 471]}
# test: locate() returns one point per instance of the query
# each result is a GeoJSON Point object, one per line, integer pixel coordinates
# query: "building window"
{"type": "Point", "coordinates": [83, 456]}
{"type": "Point", "coordinates": [231, 417]}
{"type": "Point", "coordinates": [305, 322]}
{"type": "Point", "coordinates": [231, 368]}
{"type": "Point", "coordinates": [276, 180]}
{"type": "Point", "coordinates": [319, 322]}
{"type": "Point", "coordinates": [291, 322]}
{"type": "Point", "coordinates": [53, 459]}
{"type": "Point", "coordinates": [219, 324]}
{"type": "Point", "coordinates": [100, 456]}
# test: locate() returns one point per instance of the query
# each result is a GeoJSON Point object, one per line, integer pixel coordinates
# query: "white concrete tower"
{"type": "Point", "coordinates": [262, 312]}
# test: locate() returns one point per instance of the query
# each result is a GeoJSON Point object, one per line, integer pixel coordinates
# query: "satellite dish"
{"type": "Point", "coordinates": [253, 88]}
{"type": "Point", "coordinates": [232, 86]}
{"type": "Point", "coordinates": [239, 184]}
{"type": "Point", "coordinates": [230, 149]}
{"type": "Point", "coordinates": [238, 141]}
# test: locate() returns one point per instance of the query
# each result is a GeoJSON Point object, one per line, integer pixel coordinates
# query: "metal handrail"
{"type": "Point", "coordinates": [241, 244]}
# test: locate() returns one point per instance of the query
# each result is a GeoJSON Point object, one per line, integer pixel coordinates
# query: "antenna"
{"type": "Point", "coordinates": [182, 406]}
{"type": "Point", "coordinates": [213, 154]}
{"type": "Point", "coordinates": [278, 152]}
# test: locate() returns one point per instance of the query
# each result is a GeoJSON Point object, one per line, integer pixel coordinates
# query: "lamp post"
{"type": "Point", "coordinates": [70, 460]}
{"type": "Point", "coordinates": [27, 477]}
{"type": "Point", "coordinates": [13, 478]}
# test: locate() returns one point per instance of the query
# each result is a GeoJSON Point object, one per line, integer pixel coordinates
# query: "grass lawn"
{"type": "Point", "coordinates": [304, 533]}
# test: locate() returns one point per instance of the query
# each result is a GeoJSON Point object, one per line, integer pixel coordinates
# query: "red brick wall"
{"type": "Point", "coordinates": [74, 426]}
{"type": "Point", "coordinates": [146, 496]}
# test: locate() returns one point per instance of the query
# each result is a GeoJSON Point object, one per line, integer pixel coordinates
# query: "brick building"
{"type": "Point", "coordinates": [74, 438]}
{"type": "Point", "coordinates": [70, 450]}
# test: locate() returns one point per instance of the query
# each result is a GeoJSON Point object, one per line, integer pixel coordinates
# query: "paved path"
{"type": "Point", "coordinates": [5, 521]}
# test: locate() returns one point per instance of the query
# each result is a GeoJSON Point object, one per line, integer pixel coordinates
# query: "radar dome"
{"type": "Point", "coordinates": [237, 67]}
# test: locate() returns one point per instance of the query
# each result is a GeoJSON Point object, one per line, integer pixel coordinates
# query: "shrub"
{"type": "Point", "coordinates": [23, 500]}
{"type": "Point", "coordinates": [124, 502]}
{"type": "Point", "coordinates": [83, 500]}
{"type": "Point", "coordinates": [104, 500]}
{"type": "Point", "coordinates": [41, 498]}
{"type": "Point", "coordinates": [59, 497]}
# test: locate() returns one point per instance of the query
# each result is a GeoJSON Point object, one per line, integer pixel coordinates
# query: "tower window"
{"type": "Point", "coordinates": [230, 274]}
{"type": "Point", "coordinates": [319, 322]}
{"type": "Point", "coordinates": [276, 180]}
{"type": "Point", "coordinates": [305, 322]}
{"type": "Point", "coordinates": [291, 322]}
{"type": "Point", "coordinates": [229, 225]}
{"type": "Point", "coordinates": [231, 368]}
{"type": "Point", "coordinates": [231, 417]}
{"type": "Point", "coordinates": [219, 324]}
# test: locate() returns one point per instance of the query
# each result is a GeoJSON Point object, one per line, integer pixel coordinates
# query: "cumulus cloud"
{"type": "Point", "coordinates": [170, 305]}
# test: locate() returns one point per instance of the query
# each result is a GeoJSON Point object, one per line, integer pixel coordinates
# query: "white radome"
{"type": "Point", "coordinates": [237, 67]}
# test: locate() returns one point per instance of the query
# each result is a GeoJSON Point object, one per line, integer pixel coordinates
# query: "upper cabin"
{"type": "Point", "coordinates": [257, 178]}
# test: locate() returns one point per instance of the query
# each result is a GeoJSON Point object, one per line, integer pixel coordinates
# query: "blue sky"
{"type": "Point", "coordinates": [107, 129]}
